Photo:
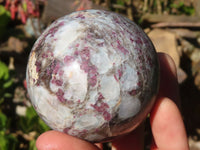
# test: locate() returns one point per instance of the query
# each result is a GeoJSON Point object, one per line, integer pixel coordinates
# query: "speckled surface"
{"type": "Point", "coordinates": [93, 74]}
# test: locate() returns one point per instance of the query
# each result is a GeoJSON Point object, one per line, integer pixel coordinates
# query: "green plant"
{"type": "Point", "coordinates": [32, 145]}
{"type": "Point", "coordinates": [7, 140]}
{"type": "Point", "coordinates": [23, 9]}
{"type": "Point", "coordinates": [121, 2]}
{"type": "Point", "coordinates": [4, 19]}
{"type": "Point", "coordinates": [32, 122]}
{"type": "Point", "coordinates": [182, 9]}
{"type": "Point", "coordinates": [5, 82]}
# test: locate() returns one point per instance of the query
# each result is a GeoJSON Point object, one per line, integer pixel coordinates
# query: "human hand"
{"type": "Point", "coordinates": [166, 122]}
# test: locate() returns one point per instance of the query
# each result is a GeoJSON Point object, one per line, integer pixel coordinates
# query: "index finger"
{"type": "Point", "coordinates": [166, 120]}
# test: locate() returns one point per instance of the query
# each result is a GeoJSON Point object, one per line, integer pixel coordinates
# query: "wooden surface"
{"type": "Point", "coordinates": [197, 7]}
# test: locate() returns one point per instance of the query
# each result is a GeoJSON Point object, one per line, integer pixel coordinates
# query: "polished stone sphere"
{"type": "Point", "coordinates": [93, 74]}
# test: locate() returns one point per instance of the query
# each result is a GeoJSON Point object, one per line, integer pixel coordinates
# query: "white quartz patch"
{"type": "Point", "coordinates": [115, 58]}
{"type": "Point", "coordinates": [93, 96]}
{"type": "Point", "coordinates": [129, 107]}
{"type": "Point", "coordinates": [100, 60]}
{"type": "Point", "coordinates": [45, 104]}
{"type": "Point", "coordinates": [88, 122]}
{"type": "Point", "coordinates": [129, 78]}
{"type": "Point", "coordinates": [76, 82]}
{"type": "Point", "coordinates": [110, 89]}
{"type": "Point", "coordinates": [64, 37]}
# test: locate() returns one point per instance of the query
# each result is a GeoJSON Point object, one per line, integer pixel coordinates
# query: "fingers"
{"type": "Point", "coordinates": [133, 140]}
{"type": "Point", "coordinates": [168, 78]}
{"type": "Point", "coordinates": [166, 121]}
{"type": "Point", "coordinates": [167, 126]}
{"type": "Point", "coordinates": [54, 140]}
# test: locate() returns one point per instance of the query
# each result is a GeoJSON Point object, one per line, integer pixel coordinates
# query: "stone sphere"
{"type": "Point", "coordinates": [93, 74]}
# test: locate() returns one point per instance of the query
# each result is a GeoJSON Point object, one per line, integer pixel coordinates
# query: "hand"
{"type": "Point", "coordinates": [166, 122]}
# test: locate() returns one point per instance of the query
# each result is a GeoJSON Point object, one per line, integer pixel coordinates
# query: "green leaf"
{"type": "Point", "coordinates": [1, 100]}
{"type": "Point", "coordinates": [43, 126]}
{"type": "Point", "coordinates": [3, 121]}
{"type": "Point", "coordinates": [24, 6]}
{"type": "Point", "coordinates": [30, 113]}
{"type": "Point", "coordinates": [7, 84]}
{"type": "Point", "coordinates": [30, 121]}
{"type": "Point", "coordinates": [121, 2]}
{"type": "Point", "coordinates": [3, 141]}
{"type": "Point", "coordinates": [7, 95]}
{"type": "Point", "coordinates": [3, 11]}
{"type": "Point", "coordinates": [4, 71]}
{"type": "Point", "coordinates": [173, 5]}
{"type": "Point", "coordinates": [22, 124]}
{"type": "Point", "coordinates": [32, 145]}
{"type": "Point", "coordinates": [7, 141]}
{"type": "Point", "coordinates": [181, 4]}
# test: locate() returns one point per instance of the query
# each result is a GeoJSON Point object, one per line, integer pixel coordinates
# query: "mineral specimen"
{"type": "Point", "coordinates": [93, 74]}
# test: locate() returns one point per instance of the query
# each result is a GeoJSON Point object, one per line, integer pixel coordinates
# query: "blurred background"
{"type": "Point", "coordinates": [173, 26]}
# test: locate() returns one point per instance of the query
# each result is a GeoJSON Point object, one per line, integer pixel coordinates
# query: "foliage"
{"type": "Point", "coordinates": [141, 7]}
{"type": "Point", "coordinates": [7, 141]}
{"type": "Point", "coordinates": [31, 122]}
{"type": "Point", "coordinates": [23, 9]}
{"type": "Point", "coordinates": [28, 123]}
{"type": "Point", "coordinates": [14, 129]}
{"type": "Point", "coordinates": [4, 16]}
{"type": "Point", "coordinates": [4, 19]}
{"type": "Point", "coordinates": [8, 125]}
{"type": "Point", "coordinates": [5, 82]}
{"type": "Point", "coordinates": [32, 145]}
{"type": "Point", "coordinates": [121, 2]}
{"type": "Point", "coordinates": [182, 9]}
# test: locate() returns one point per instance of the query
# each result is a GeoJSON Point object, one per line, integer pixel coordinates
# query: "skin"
{"type": "Point", "coordinates": [165, 118]}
